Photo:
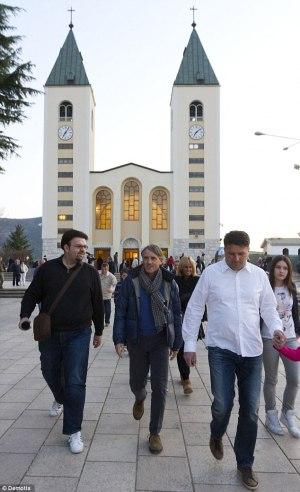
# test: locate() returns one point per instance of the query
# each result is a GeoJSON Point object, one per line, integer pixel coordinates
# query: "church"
{"type": "Point", "coordinates": [124, 208]}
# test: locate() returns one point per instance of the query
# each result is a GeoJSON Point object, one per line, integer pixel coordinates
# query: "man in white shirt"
{"type": "Point", "coordinates": [236, 293]}
{"type": "Point", "coordinates": [108, 285]}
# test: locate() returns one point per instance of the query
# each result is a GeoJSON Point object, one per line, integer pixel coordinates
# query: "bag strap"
{"type": "Point", "coordinates": [64, 289]}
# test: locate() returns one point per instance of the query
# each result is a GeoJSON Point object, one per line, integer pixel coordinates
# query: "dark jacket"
{"type": "Point", "coordinates": [295, 314]}
{"type": "Point", "coordinates": [112, 267]}
{"type": "Point", "coordinates": [117, 290]}
{"type": "Point", "coordinates": [126, 323]}
{"type": "Point", "coordinates": [81, 303]}
{"type": "Point", "coordinates": [186, 288]}
{"type": "Point", "coordinates": [16, 269]}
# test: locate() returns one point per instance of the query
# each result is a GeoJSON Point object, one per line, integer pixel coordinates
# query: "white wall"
{"type": "Point", "coordinates": [114, 179]}
{"type": "Point", "coordinates": [277, 250]}
{"type": "Point", "coordinates": [82, 100]}
{"type": "Point", "coordinates": [182, 96]}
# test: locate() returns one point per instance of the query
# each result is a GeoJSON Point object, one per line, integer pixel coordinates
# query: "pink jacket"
{"type": "Point", "coordinates": [292, 354]}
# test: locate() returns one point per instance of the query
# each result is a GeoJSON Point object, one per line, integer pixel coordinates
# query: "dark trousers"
{"type": "Point", "coordinates": [16, 278]}
{"type": "Point", "coordinates": [64, 362]}
{"type": "Point", "coordinates": [151, 352]}
{"type": "Point", "coordinates": [107, 310]}
{"type": "Point", "coordinates": [182, 365]}
{"type": "Point", "coordinates": [224, 367]}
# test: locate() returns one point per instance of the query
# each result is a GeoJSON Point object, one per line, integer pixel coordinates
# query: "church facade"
{"type": "Point", "coordinates": [124, 208]}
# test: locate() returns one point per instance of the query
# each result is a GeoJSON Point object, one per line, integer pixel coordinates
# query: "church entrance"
{"type": "Point", "coordinates": [130, 254]}
{"type": "Point", "coordinates": [131, 250]}
{"type": "Point", "coordinates": [101, 254]}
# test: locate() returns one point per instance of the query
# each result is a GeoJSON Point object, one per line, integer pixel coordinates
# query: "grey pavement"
{"type": "Point", "coordinates": [116, 456]}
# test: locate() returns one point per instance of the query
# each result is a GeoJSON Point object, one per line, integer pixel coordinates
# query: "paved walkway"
{"type": "Point", "coordinates": [116, 456]}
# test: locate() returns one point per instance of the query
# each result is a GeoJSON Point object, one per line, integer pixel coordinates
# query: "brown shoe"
{"type": "Point", "coordinates": [216, 447]}
{"type": "Point", "coordinates": [155, 444]}
{"type": "Point", "coordinates": [187, 386]}
{"type": "Point", "coordinates": [138, 410]}
{"type": "Point", "coordinates": [249, 480]}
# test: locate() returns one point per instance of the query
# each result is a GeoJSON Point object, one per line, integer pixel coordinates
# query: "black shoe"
{"type": "Point", "coordinates": [216, 447]}
{"type": "Point", "coordinates": [249, 480]}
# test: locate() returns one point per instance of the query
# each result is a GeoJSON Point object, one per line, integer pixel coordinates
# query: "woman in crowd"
{"type": "Point", "coordinates": [186, 279]}
{"type": "Point", "coordinates": [24, 271]}
{"type": "Point", "coordinates": [287, 305]}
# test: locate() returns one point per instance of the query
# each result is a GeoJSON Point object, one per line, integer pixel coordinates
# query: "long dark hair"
{"type": "Point", "coordinates": [288, 281]}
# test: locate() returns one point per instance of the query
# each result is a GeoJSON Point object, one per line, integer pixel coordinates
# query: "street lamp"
{"type": "Point", "coordinates": [296, 140]}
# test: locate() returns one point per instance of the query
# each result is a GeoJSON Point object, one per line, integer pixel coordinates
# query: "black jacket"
{"type": "Point", "coordinates": [295, 314]}
{"type": "Point", "coordinates": [16, 269]}
{"type": "Point", "coordinates": [80, 305]}
{"type": "Point", "coordinates": [186, 287]}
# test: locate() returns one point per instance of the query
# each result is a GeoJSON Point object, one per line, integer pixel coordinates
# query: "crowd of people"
{"type": "Point", "coordinates": [160, 307]}
{"type": "Point", "coordinates": [19, 267]}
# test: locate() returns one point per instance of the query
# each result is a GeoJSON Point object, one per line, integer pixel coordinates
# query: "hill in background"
{"type": "Point", "coordinates": [32, 228]}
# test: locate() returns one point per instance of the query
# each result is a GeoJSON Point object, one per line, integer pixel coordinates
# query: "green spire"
{"type": "Point", "coordinates": [68, 68]}
{"type": "Point", "coordinates": [195, 68]}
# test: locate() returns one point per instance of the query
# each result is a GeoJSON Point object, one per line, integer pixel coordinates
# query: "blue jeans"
{"type": "Point", "coordinates": [224, 367]}
{"type": "Point", "coordinates": [64, 362]}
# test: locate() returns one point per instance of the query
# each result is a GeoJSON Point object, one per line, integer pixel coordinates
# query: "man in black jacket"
{"type": "Point", "coordinates": [66, 351]}
{"type": "Point", "coordinates": [16, 269]}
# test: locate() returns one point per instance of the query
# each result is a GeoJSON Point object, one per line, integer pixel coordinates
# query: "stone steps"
{"type": "Point", "coordinates": [13, 293]}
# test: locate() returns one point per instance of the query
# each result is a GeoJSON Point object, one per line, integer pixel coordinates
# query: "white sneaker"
{"type": "Point", "coordinates": [75, 442]}
{"type": "Point", "coordinates": [56, 409]}
{"type": "Point", "coordinates": [288, 419]}
{"type": "Point", "coordinates": [272, 422]}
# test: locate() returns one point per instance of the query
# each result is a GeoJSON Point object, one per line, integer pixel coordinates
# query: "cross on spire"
{"type": "Point", "coordinates": [71, 10]}
{"type": "Point", "coordinates": [194, 23]}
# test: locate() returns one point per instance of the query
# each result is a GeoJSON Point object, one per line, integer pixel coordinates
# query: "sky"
{"type": "Point", "coordinates": [132, 50]}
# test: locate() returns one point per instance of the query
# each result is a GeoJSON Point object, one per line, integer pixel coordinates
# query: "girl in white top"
{"type": "Point", "coordinates": [24, 271]}
{"type": "Point", "coordinates": [287, 307]}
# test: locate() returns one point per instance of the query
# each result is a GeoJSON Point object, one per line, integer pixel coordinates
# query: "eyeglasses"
{"type": "Point", "coordinates": [79, 246]}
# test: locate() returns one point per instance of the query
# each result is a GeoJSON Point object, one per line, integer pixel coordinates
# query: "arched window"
{"type": "Point", "coordinates": [196, 111]}
{"type": "Point", "coordinates": [65, 111]}
{"type": "Point", "coordinates": [103, 209]}
{"type": "Point", "coordinates": [159, 210]}
{"type": "Point", "coordinates": [131, 200]}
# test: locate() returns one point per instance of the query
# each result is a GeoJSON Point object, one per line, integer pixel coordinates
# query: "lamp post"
{"type": "Point", "coordinates": [296, 141]}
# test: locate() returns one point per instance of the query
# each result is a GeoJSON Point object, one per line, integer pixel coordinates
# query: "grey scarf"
{"type": "Point", "coordinates": [158, 305]}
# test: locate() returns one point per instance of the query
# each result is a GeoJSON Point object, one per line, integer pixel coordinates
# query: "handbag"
{"type": "Point", "coordinates": [42, 322]}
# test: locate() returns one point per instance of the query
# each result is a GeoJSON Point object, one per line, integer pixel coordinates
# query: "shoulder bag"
{"type": "Point", "coordinates": [42, 322]}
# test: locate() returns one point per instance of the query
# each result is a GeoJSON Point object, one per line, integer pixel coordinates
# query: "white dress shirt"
{"type": "Point", "coordinates": [235, 301]}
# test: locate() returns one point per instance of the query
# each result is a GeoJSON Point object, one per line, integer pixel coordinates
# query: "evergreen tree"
{"type": "Point", "coordinates": [17, 244]}
{"type": "Point", "coordinates": [14, 79]}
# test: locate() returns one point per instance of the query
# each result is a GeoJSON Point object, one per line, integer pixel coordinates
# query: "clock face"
{"type": "Point", "coordinates": [65, 132]}
{"type": "Point", "coordinates": [196, 132]}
